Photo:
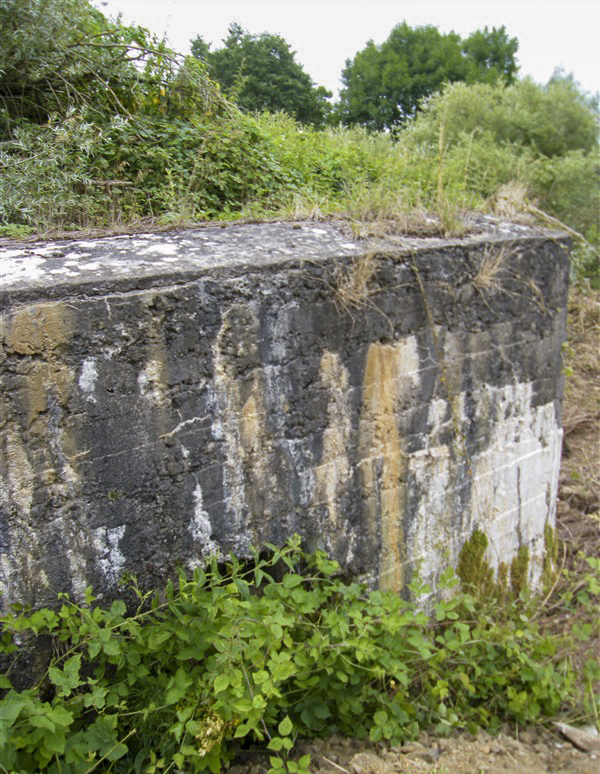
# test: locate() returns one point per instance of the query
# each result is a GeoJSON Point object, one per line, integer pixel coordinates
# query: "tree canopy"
{"type": "Point", "coordinates": [260, 72]}
{"type": "Point", "coordinates": [491, 56]}
{"type": "Point", "coordinates": [385, 85]}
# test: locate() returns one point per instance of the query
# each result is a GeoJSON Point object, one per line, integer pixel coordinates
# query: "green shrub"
{"type": "Point", "coordinates": [182, 679]}
{"type": "Point", "coordinates": [550, 120]}
{"type": "Point", "coordinates": [75, 173]}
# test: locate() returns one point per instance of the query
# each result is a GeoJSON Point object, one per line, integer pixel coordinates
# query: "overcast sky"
{"type": "Point", "coordinates": [324, 33]}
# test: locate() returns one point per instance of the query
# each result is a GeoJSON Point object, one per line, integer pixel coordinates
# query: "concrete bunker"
{"type": "Point", "coordinates": [167, 396]}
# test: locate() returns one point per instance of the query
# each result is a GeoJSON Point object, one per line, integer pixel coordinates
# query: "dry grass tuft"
{"type": "Point", "coordinates": [354, 285]}
{"type": "Point", "coordinates": [416, 223]}
{"type": "Point", "coordinates": [305, 208]}
{"type": "Point", "coordinates": [487, 278]}
{"type": "Point", "coordinates": [510, 201]}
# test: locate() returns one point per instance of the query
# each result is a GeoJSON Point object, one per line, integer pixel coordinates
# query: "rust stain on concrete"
{"type": "Point", "coordinates": [334, 471]}
{"type": "Point", "coordinates": [389, 371]}
{"type": "Point", "coordinates": [42, 330]}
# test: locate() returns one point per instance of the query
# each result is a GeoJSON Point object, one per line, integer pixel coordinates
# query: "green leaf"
{"type": "Point", "coordinates": [275, 744]}
{"type": "Point", "coordinates": [158, 638]}
{"type": "Point", "coordinates": [117, 752]}
{"type": "Point", "coordinates": [221, 683]}
{"type": "Point", "coordinates": [242, 730]}
{"type": "Point", "coordinates": [178, 687]}
{"type": "Point", "coordinates": [40, 721]}
{"type": "Point", "coordinates": [285, 727]}
{"type": "Point", "coordinates": [118, 607]}
{"type": "Point", "coordinates": [112, 647]}
{"type": "Point", "coordinates": [380, 718]}
{"type": "Point", "coordinates": [55, 742]}
{"type": "Point", "coordinates": [11, 706]}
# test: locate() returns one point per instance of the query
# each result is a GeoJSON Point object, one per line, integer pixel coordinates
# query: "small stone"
{"type": "Point", "coordinates": [527, 737]}
{"type": "Point", "coordinates": [412, 747]}
{"type": "Point", "coordinates": [585, 739]}
{"type": "Point", "coordinates": [445, 744]}
{"type": "Point", "coordinates": [429, 756]}
{"type": "Point", "coordinates": [367, 763]}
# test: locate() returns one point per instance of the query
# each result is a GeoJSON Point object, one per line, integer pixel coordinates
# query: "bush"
{"type": "Point", "coordinates": [182, 679]}
{"type": "Point", "coordinates": [549, 120]}
{"type": "Point", "coordinates": [76, 173]}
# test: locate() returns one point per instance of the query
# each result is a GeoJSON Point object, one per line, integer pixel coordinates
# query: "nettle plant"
{"type": "Point", "coordinates": [262, 652]}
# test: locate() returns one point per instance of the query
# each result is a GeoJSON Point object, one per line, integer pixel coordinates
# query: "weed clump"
{"type": "Point", "coordinates": [229, 657]}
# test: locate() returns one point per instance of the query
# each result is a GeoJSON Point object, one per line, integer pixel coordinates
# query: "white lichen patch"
{"type": "Point", "coordinates": [87, 379]}
{"type": "Point", "coordinates": [25, 268]}
{"type": "Point", "coordinates": [334, 471]}
{"type": "Point", "coordinates": [508, 488]}
{"type": "Point", "coordinates": [110, 558]}
{"type": "Point", "coordinates": [74, 258]}
{"type": "Point", "coordinates": [85, 244]}
{"type": "Point", "coordinates": [163, 249]}
{"type": "Point", "coordinates": [200, 526]}
{"type": "Point", "coordinates": [19, 473]}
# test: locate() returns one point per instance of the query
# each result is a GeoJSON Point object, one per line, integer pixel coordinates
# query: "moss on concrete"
{"type": "Point", "coordinates": [519, 571]}
{"type": "Point", "coordinates": [473, 569]}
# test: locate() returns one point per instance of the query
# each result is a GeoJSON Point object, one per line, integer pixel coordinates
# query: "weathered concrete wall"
{"type": "Point", "coordinates": [167, 396]}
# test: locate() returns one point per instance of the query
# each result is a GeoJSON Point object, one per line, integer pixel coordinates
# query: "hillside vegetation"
{"type": "Point", "coordinates": [102, 126]}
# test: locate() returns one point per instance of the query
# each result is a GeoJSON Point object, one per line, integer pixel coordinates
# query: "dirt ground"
{"type": "Point", "coordinates": [536, 750]}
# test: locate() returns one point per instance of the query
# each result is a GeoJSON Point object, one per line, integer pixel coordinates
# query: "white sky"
{"type": "Point", "coordinates": [324, 33]}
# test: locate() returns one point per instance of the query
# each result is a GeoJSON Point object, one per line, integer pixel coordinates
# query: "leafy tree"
{"type": "Point", "coordinates": [491, 55]}
{"type": "Point", "coordinates": [259, 72]}
{"type": "Point", "coordinates": [385, 85]}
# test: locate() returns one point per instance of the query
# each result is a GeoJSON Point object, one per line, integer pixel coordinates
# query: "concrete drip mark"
{"type": "Point", "coordinates": [510, 464]}
{"type": "Point", "coordinates": [507, 514]}
{"type": "Point", "coordinates": [183, 424]}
